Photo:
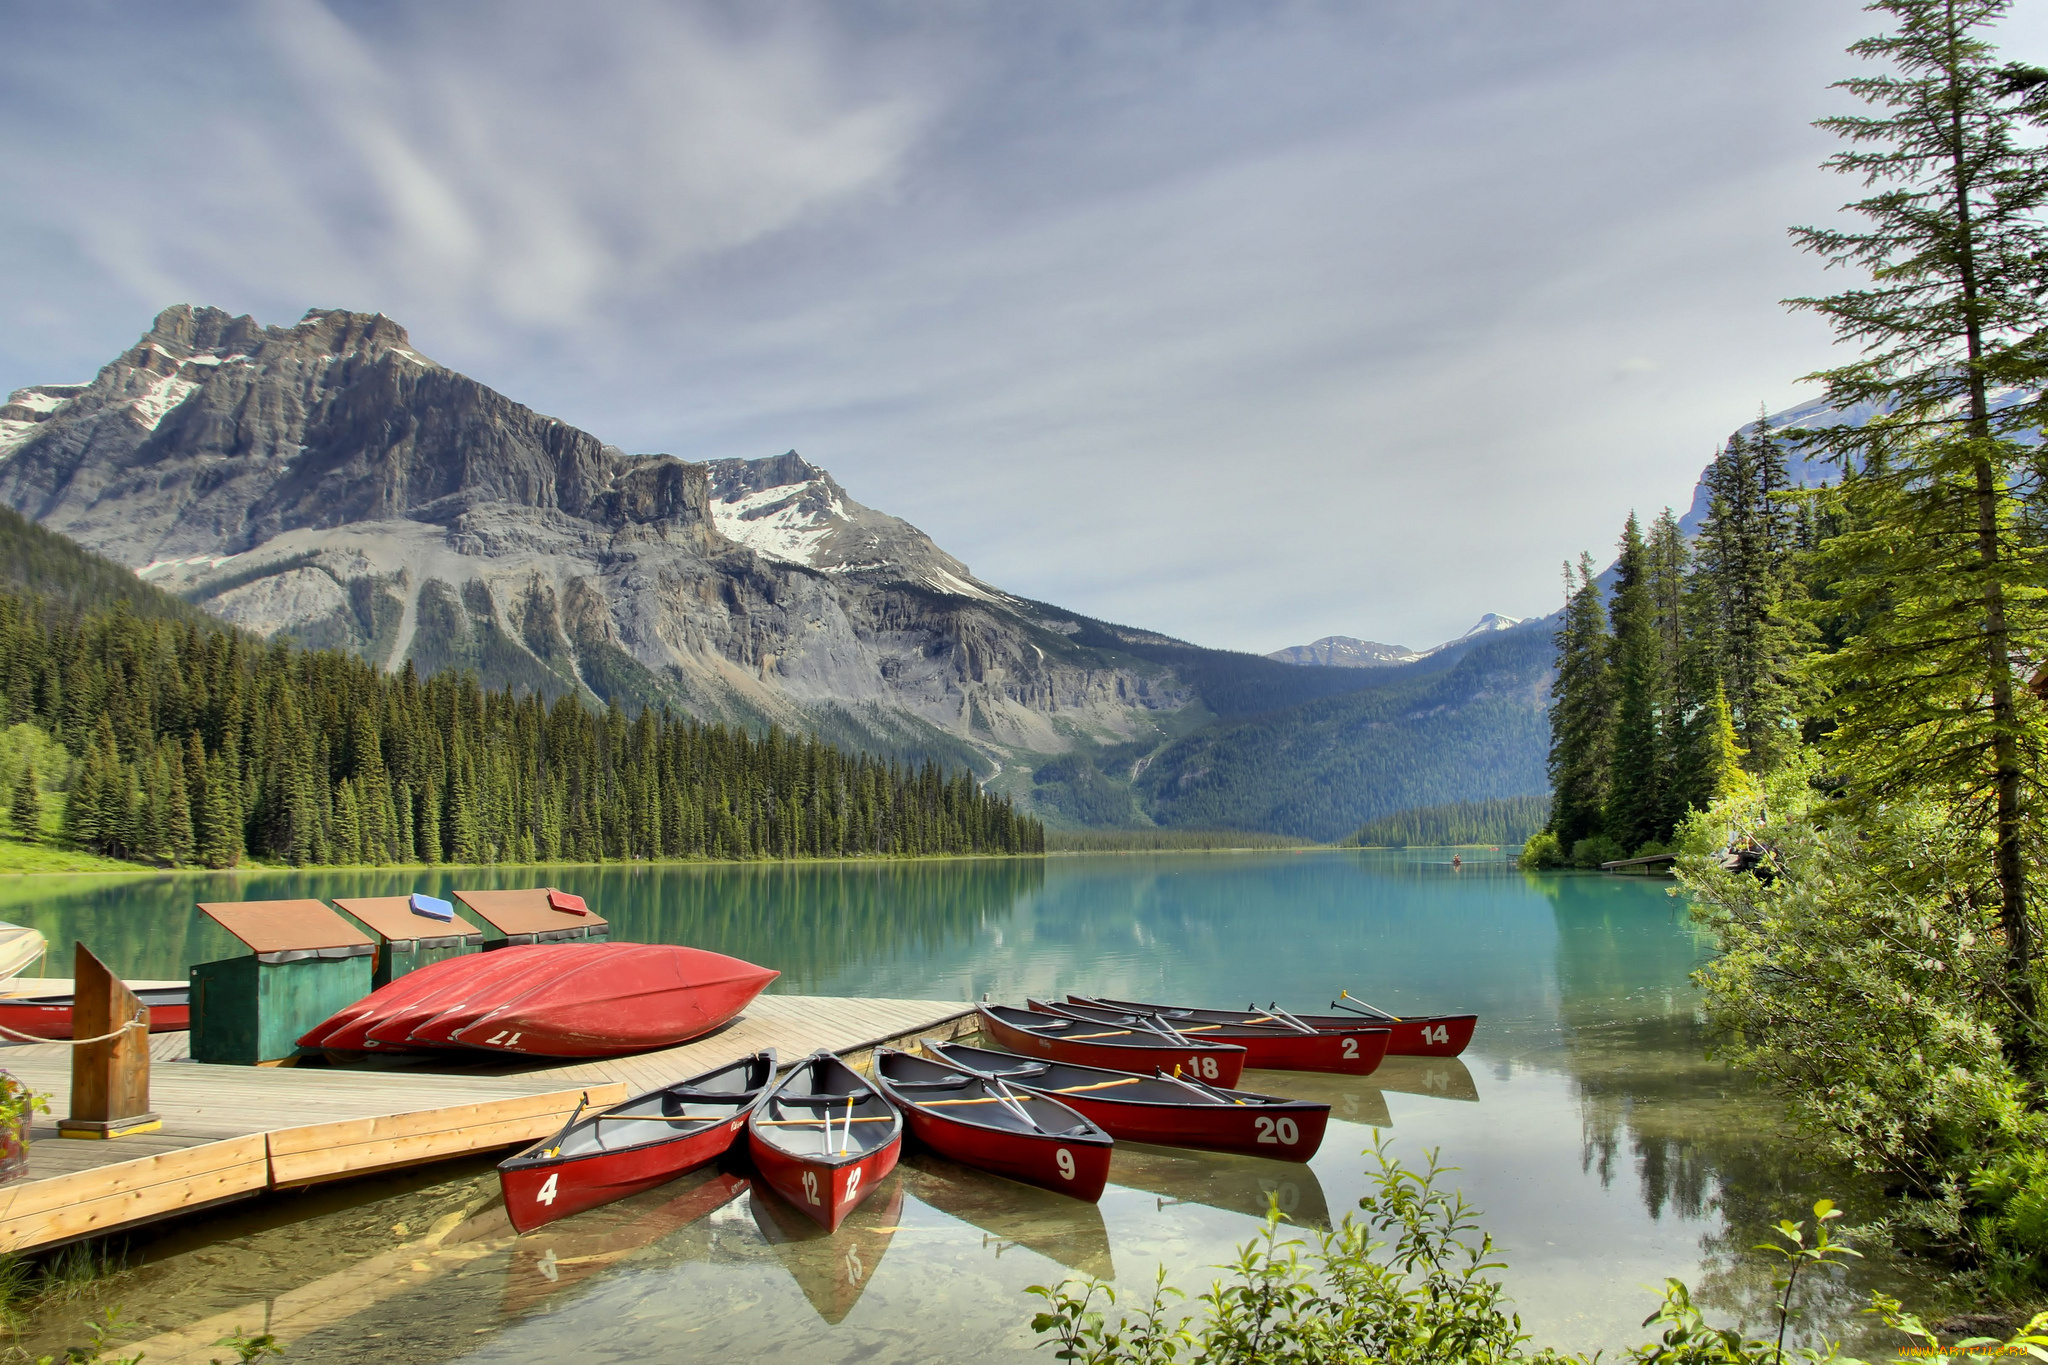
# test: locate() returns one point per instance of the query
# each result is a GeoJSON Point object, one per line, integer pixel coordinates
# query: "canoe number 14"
{"type": "Point", "coordinates": [1439, 1034]}
{"type": "Point", "coordinates": [547, 1191]}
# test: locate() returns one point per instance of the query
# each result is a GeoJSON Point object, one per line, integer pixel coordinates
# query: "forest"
{"type": "Point", "coordinates": [1506, 822]}
{"type": "Point", "coordinates": [184, 742]}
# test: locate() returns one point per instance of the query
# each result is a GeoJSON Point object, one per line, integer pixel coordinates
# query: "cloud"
{"type": "Point", "coordinates": [1251, 323]}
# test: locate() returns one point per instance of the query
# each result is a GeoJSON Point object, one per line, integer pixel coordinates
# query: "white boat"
{"type": "Point", "coordinates": [19, 948]}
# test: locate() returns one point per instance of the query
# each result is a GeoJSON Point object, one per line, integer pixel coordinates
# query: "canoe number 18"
{"type": "Point", "coordinates": [1065, 1159]}
{"type": "Point", "coordinates": [547, 1191]}
{"type": "Point", "coordinates": [1203, 1066]}
{"type": "Point", "coordinates": [1279, 1131]}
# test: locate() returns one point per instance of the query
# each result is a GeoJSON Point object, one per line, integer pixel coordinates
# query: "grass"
{"type": "Point", "coordinates": [49, 854]}
{"type": "Point", "coordinates": [1165, 840]}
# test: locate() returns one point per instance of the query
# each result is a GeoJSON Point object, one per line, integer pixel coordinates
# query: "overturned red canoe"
{"type": "Point", "coordinates": [616, 998]}
{"type": "Point", "coordinates": [553, 1000]}
{"type": "Point", "coordinates": [1272, 1047]}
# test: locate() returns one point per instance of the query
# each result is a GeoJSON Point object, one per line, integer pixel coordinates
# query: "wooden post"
{"type": "Point", "coordinates": [110, 1079]}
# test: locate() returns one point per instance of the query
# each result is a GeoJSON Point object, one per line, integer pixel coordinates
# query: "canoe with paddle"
{"type": "Point", "coordinates": [1164, 1109]}
{"type": "Point", "coordinates": [646, 1141]}
{"type": "Point", "coordinates": [1414, 1035]}
{"type": "Point", "coordinates": [824, 1137]}
{"type": "Point", "coordinates": [49, 1016]}
{"type": "Point", "coordinates": [1143, 1050]}
{"type": "Point", "coordinates": [984, 1122]}
{"type": "Point", "coordinates": [1269, 1043]}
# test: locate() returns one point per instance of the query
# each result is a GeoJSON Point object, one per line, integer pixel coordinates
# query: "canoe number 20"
{"type": "Point", "coordinates": [1280, 1131]}
{"type": "Point", "coordinates": [1065, 1159]}
{"type": "Point", "coordinates": [1203, 1066]}
{"type": "Point", "coordinates": [1439, 1034]}
{"type": "Point", "coordinates": [547, 1191]}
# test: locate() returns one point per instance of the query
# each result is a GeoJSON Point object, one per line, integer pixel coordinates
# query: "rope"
{"type": "Point", "coordinates": [134, 1023]}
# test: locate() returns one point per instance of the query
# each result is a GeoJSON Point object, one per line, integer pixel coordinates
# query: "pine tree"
{"type": "Point", "coordinates": [27, 804]}
{"type": "Point", "coordinates": [1635, 791]}
{"type": "Point", "coordinates": [1581, 712]}
{"type": "Point", "coordinates": [1926, 701]}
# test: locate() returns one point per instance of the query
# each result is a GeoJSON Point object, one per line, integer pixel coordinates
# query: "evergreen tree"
{"type": "Point", "coordinates": [1581, 712]}
{"type": "Point", "coordinates": [26, 808]}
{"type": "Point", "coordinates": [1635, 788]}
{"type": "Point", "coordinates": [1926, 699]}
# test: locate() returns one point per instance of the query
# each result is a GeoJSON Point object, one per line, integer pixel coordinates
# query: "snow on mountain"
{"type": "Point", "coordinates": [1342, 651]}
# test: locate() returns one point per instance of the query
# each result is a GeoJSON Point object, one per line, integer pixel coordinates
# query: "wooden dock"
{"type": "Point", "coordinates": [233, 1132]}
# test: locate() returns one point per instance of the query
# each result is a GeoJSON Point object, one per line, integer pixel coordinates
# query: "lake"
{"type": "Point", "coordinates": [1604, 1149]}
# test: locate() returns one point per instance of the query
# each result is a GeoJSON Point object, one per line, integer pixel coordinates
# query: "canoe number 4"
{"type": "Point", "coordinates": [1279, 1131]}
{"type": "Point", "coordinates": [499, 1039]}
{"type": "Point", "coordinates": [1204, 1067]}
{"type": "Point", "coordinates": [547, 1191]}
{"type": "Point", "coordinates": [1440, 1034]}
{"type": "Point", "coordinates": [1065, 1160]}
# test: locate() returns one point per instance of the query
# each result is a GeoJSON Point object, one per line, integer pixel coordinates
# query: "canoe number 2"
{"type": "Point", "coordinates": [1280, 1131]}
{"type": "Point", "coordinates": [1350, 1048]}
{"type": "Point", "coordinates": [1065, 1160]}
{"type": "Point", "coordinates": [1203, 1066]}
{"type": "Point", "coordinates": [1439, 1034]}
{"type": "Point", "coordinates": [811, 1187]}
{"type": "Point", "coordinates": [547, 1191]}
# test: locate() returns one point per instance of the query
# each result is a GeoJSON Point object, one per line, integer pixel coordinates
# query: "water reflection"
{"type": "Point", "coordinates": [1010, 1215]}
{"type": "Point", "coordinates": [832, 1268]}
{"type": "Point", "coordinates": [1221, 1180]}
{"type": "Point", "coordinates": [561, 1255]}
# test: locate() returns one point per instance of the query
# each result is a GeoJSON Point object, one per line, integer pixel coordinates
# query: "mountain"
{"type": "Point", "coordinates": [330, 482]}
{"type": "Point", "coordinates": [1342, 651]}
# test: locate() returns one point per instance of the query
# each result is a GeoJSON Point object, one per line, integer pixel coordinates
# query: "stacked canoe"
{"type": "Point", "coordinates": [550, 1000]}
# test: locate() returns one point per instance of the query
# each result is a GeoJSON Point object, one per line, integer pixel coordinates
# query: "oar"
{"type": "Point", "coordinates": [798, 1123]}
{"type": "Point", "coordinates": [1199, 1087]}
{"type": "Point", "coordinates": [1284, 1017]}
{"type": "Point", "coordinates": [1368, 1009]}
{"type": "Point", "coordinates": [846, 1129]}
{"type": "Point", "coordinates": [1010, 1103]}
{"type": "Point", "coordinates": [555, 1148]}
{"type": "Point", "coordinates": [1069, 1090]}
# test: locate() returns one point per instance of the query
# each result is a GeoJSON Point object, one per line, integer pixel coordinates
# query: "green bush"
{"type": "Point", "coordinates": [1596, 850]}
{"type": "Point", "coordinates": [1541, 852]}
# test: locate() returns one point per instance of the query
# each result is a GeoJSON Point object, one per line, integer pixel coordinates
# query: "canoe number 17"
{"type": "Point", "coordinates": [499, 1039]}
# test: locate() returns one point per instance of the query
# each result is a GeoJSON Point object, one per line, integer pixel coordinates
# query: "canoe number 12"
{"type": "Point", "coordinates": [547, 1191]}
{"type": "Point", "coordinates": [811, 1187]}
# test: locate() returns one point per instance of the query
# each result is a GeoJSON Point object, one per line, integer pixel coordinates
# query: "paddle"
{"type": "Point", "coordinates": [827, 1121]}
{"type": "Point", "coordinates": [1373, 1010]}
{"type": "Point", "coordinates": [1066, 1090]}
{"type": "Point", "coordinates": [1284, 1017]}
{"type": "Point", "coordinates": [1198, 1087]}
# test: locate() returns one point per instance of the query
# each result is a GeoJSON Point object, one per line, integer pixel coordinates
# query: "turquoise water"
{"type": "Point", "coordinates": [1605, 1151]}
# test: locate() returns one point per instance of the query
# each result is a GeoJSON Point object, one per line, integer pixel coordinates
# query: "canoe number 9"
{"type": "Point", "coordinates": [1065, 1160]}
{"type": "Point", "coordinates": [499, 1039]}
{"type": "Point", "coordinates": [1203, 1066]}
{"type": "Point", "coordinates": [1279, 1131]}
{"type": "Point", "coordinates": [1350, 1049]}
{"type": "Point", "coordinates": [1440, 1034]}
{"type": "Point", "coordinates": [852, 1184]}
{"type": "Point", "coordinates": [547, 1191]}
{"type": "Point", "coordinates": [811, 1187]}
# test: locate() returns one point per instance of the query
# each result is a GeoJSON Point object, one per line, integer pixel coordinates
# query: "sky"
{"type": "Point", "coordinates": [1248, 322]}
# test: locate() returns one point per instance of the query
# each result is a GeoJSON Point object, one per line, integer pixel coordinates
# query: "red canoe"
{"type": "Point", "coordinates": [824, 1138]}
{"type": "Point", "coordinates": [979, 1121]}
{"type": "Point", "coordinates": [1171, 1113]}
{"type": "Point", "coordinates": [531, 965]}
{"type": "Point", "coordinates": [344, 1029]}
{"type": "Point", "coordinates": [1349, 1052]}
{"type": "Point", "coordinates": [623, 997]}
{"type": "Point", "coordinates": [1125, 1049]}
{"type": "Point", "coordinates": [49, 1016]}
{"type": "Point", "coordinates": [634, 1146]}
{"type": "Point", "coordinates": [1415, 1035]}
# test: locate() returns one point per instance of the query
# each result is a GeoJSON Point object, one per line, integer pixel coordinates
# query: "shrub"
{"type": "Point", "coordinates": [1542, 851]}
{"type": "Point", "coordinates": [1596, 850]}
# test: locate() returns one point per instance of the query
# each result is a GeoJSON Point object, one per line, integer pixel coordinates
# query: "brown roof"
{"type": "Point", "coordinates": [525, 912]}
{"type": "Point", "coordinates": [280, 926]}
{"type": "Point", "coordinates": [392, 917]}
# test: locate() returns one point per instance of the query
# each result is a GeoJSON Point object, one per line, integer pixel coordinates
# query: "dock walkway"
{"type": "Point", "coordinates": [232, 1132]}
